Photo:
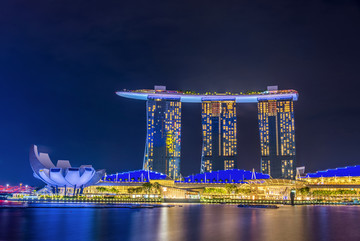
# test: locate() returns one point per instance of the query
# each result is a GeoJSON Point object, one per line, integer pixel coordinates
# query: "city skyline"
{"type": "Point", "coordinates": [59, 75]}
{"type": "Point", "coordinates": [179, 120]}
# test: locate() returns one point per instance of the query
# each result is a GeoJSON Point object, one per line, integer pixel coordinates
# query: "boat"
{"type": "Point", "coordinates": [141, 206]}
{"type": "Point", "coordinates": [257, 206]}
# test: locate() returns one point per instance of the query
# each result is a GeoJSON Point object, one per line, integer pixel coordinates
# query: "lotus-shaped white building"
{"type": "Point", "coordinates": [62, 175]}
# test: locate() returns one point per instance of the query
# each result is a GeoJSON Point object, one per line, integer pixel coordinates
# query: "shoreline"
{"type": "Point", "coordinates": [151, 203]}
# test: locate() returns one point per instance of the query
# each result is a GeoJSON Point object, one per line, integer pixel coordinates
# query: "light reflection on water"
{"type": "Point", "coordinates": [190, 222]}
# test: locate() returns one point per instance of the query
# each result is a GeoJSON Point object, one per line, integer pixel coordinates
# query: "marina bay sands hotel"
{"type": "Point", "coordinates": [219, 149]}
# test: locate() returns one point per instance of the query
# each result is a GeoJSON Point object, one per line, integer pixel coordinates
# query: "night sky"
{"type": "Point", "coordinates": [62, 61]}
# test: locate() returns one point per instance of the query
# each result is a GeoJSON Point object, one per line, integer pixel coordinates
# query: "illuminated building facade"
{"type": "Point", "coordinates": [219, 135]}
{"type": "Point", "coordinates": [219, 150]}
{"type": "Point", "coordinates": [277, 137]}
{"type": "Point", "coordinates": [63, 175]}
{"type": "Point", "coordinates": [162, 151]}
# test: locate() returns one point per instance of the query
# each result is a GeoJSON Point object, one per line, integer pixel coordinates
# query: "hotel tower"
{"type": "Point", "coordinates": [162, 150]}
{"type": "Point", "coordinates": [277, 137]}
{"type": "Point", "coordinates": [219, 135]}
{"type": "Point", "coordinates": [219, 129]}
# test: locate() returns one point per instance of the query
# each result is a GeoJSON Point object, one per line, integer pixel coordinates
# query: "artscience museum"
{"type": "Point", "coordinates": [63, 175]}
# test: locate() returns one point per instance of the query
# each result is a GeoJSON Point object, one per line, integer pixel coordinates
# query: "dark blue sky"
{"type": "Point", "coordinates": [62, 61]}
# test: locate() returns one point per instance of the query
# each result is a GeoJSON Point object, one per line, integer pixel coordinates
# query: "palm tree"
{"type": "Point", "coordinates": [230, 188]}
{"type": "Point", "coordinates": [157, 187]}
{"type": "Point", "coordinates": [114, 190]}
{"type": "Point", "coordinates": [101, 189]}
{"type": "Point", "coordinates": [130, 190]}
{"type": "Point", "coordinates": [147, 187]}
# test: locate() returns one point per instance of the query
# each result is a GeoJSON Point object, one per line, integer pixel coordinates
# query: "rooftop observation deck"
{"type": "Point", "coordinates": [160, 92]}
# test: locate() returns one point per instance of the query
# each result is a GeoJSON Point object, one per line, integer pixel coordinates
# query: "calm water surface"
{"type": "Point", "coordinates": [190, 222]}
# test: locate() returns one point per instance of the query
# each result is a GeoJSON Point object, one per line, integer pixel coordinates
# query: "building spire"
{"type": "Point", "coordinates": [253, 174]}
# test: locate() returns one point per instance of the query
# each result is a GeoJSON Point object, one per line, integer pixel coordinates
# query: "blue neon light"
{"type": "Point", "coordinates": [134, 176]}
{"type": "Point", "coordinates": [224, 176]}
{"type": "Point", "coordinates": [352, 171]}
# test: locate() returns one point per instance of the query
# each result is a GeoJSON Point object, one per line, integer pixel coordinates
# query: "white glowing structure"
{"type": "Point", "coordinates": [62, 175]}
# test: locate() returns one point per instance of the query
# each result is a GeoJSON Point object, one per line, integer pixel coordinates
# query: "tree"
{"type": "Point", "coordinates": [244, 191]}
{"type": "Point", "coordinates": [101, 189]}
{"type": "Point", "coordinates": [304, 191]}
{"type": "Point", "coordinates": [230, 188]}
{"type": "Point", "coordinates": [139, 190]}
{"type": "Point", "coordinates": [147, 187]}
{"type": "Point", "coordinates": [114, 190]}
{"type": "Point", "coordinates": [214, 190]}
{"type": "Point", "coordinates": [157, 187]}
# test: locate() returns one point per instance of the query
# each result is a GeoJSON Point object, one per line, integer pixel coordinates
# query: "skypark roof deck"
{"type": "Point", "coordinates": [193, 97]}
